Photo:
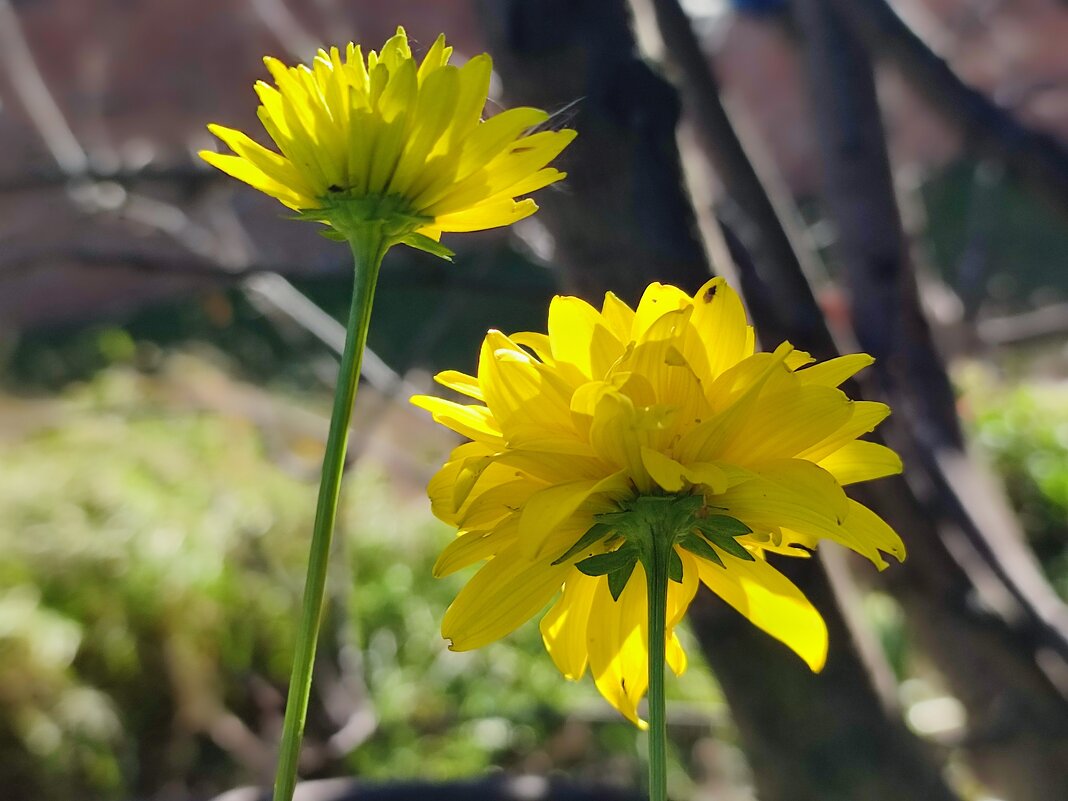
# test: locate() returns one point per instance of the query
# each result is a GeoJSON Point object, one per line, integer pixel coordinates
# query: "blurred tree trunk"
{"type": "Point", "coordinates": [617, 226]}
{"type": "Point", "coordinates": [619, 219]}
{"type": "Point", "coordinates": [1037, 159]}
{"type": "Point", "coordinates": [1007, 663]}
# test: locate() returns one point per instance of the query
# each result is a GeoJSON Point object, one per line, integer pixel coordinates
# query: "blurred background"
{"type": "Point", "coordinates": [885, 176]}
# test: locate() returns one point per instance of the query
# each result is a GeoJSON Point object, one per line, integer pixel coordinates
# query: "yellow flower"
{"type": "Point", "coordinates": [388, 137]}
{"type": "Point", "coordinates": [616, 407]}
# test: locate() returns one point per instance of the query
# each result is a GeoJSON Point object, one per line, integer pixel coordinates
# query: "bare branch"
{"type": "Point", "coordinates": [29, 84]}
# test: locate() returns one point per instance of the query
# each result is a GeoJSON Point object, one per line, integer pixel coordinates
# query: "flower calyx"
{"type": "Point", "coordinates": [349, 215]}
{"type": "Point", "coordinates": [618, 540]}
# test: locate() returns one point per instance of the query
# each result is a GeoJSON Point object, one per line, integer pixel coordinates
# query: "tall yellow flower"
{"type": "Point", "coordinates": [386, 151]}
{"type": "Point", "coordinates": [388, 137]}
{"type": "Point", "coordinates": [661, 419]}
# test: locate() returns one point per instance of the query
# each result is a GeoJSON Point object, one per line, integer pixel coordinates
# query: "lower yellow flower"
{"type": "Point", "coordinates": [584, 438]}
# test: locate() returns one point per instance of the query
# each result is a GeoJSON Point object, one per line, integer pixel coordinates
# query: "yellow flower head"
{"type": "Point", "coordinates": [615, 407]}
{"type": "Point", "coordinates": [389, 138]}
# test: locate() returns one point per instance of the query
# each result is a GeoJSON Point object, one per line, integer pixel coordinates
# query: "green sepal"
{"type": "Point", "coordinates": [722, 524]}
{"type": "Point", "coordinates": [605, 563]}
{"type": "Point", "coordinates": [334, 236]}
{"type": "Point", "coordinates": [721, 530]}
{"type": "Point", "coordinates": [618, 579]}
{"type": "Point", "coordinates": [428, 245]}
{"type": "Point", "coordinates": [689, 504]}
{"type": "Point", "coordinates": [596, 532]}
{"type": "Point", "coordinates": [699, 547]}
{"type": "Point", "coordinates": [675, 566]}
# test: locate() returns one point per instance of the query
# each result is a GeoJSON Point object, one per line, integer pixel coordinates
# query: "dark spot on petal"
{"type": "Point", "coordinates": [623, 684]}
{"type": "Point", "coordinates": [710, 293]}
{"type": "Point", "coordinates": [333, 188]}
{"type": "Point", "coordinates": [522, 149]}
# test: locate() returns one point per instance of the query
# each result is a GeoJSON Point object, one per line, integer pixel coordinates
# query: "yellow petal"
{"type": "Point", "coordinates": [430, 119]}
{"type": "Point", "coordinates": [498, 180]}
{"type": "Point", "coordinates": [865, 417]}
{"type": "Point", "coordinates": [475, 77]}
{"type": "Point", "coordinates": [579, 336]}
{"type": "Point", "coordinates": [720, 320]}
{"type": "Point", "coordinates": [618, 316]}
{"type": "Point", "coordinates": [783, 424]}
{"type": "Point", "coordinates": [792, 493]}
{"type": "Point", "coordinates": [465, 464]}
{"type": "Point", "coordinates": [242, 170]}
{"type": "Point", "coordinates": [548, 509]}
{"type": "Point", "coordinates": [772, 603]}
{"type": "Point", "coordinates": [616, 434]}
{"type": "Point", "coordinates": [487, 505]}
{"type": "Point", "coordinates": [833, 372]}
{"type": "Point", "coordinates": [475, 546]}
{"type": "Point", "coordinates": [474, 422]}
{"type": "Point", "coordinates": [396, 50]}
{"type": "Point", "coordinates": [554, 468]}
{"type": "Point", "coordinates": [674, 655]}
{"type": "Point", "coordinates": [489, 215]}
{"type": "Point", "coordinates": [538, 343]}
{"type": "Point", "coordinates": [706, 440]}
{"type": "Point", "coordinates": [480, 147]}
{"type": "Point", "coordinates": [672, 475]}
{"type": "Point", "coordinates": [680, 594]}
{"type": "Point", "coordinates": [528, 401]}
{"type": "Point", "coordinates": [861, 461]}
{"type": "Point", "coordinates": [437, 56]}
{"type": "Point", "coordinates": [499, 598]}
{"type": "Point", "coordinates": [563, 628]}
{"type": "Point", "coordinates": [269, 163]}
{"type": "Point", "coordinates": [657, 300]}
{"type": "Point", "coordinates": [798, 359]}
{"type": "Point", "coordinates": [617, 643]}
{"type": "Point", "coordinates": [655, 357]}
{"type": "Point", "coordinates": [864, 525]}
{"type": "Point", "coordinates": [460, 382]}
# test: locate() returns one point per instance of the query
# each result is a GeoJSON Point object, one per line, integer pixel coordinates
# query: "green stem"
{"type": "Point", "coordinates": [655, 562]}
{"type": "Point", "coordinates": [368, 248]}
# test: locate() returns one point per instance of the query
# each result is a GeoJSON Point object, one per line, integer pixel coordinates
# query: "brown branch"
{"type": "Point", "coordinates": [1038, 159]}
{"type": "Point", "coordinates": [188, 175]}
{"type": "Point", "coordinates": [761, 221]}
{"type": "Point", "coordinates": [1018, 710]}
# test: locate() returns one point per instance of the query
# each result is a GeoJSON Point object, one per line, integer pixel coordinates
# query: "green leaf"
{"type": "Point", "coordinates": [675, 566]}
{"type": "Point", "coordinates": [699, 547]}
{"type": "Point", "coordinates": [605, 563]}
{"type": "Point", "coordinates": [614, 517]}
{"type": "Point", "coordinates": [731, 546]}
{"type": "Point", "coordinates": [722, 524]}
{"type": "Point", "coordinates": [428, 245]}
{"type": "Point", "coordinates": [597, 531]}
{"type": "Point", "coordinates": [721, 530]}
{"type": "Point", "coordinates": [618, 579]}
{"type": "Point", "coordinates": [690, 503]}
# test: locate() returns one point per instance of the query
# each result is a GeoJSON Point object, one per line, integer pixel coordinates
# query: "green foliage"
{"type": "Point", "coordinates": [153, 562]}
{"type": "Point", "coordinates": [1024, 430]}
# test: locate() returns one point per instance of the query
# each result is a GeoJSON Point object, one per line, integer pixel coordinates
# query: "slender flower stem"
{"type": "Point", "coordinates": [655, 562]}
{"type": "Point", "coordinates": [368, 248]}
